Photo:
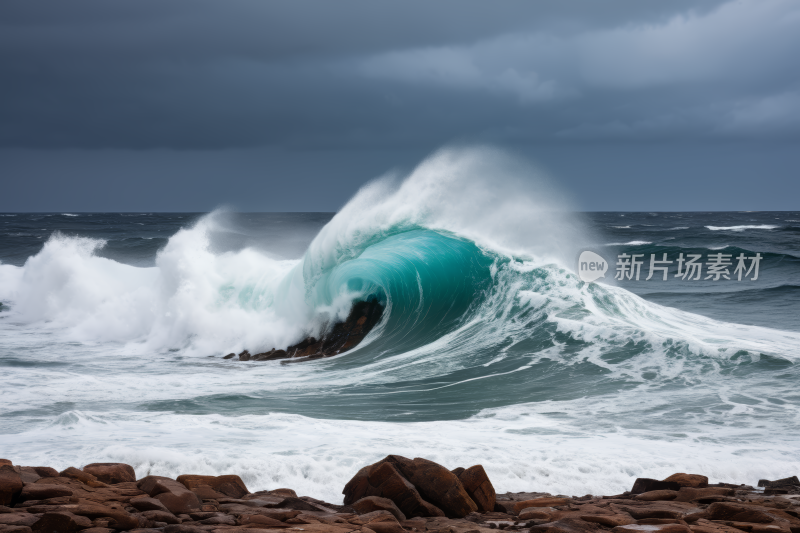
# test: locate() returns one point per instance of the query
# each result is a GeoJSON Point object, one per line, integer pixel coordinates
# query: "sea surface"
{"type": "Point", "coordinates": [491, 349]}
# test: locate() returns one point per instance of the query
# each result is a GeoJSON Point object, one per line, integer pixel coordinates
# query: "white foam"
{"type": "Point", "coordinates": [740, 228]}
{"type": "Point", "coordinates": [630, 243]}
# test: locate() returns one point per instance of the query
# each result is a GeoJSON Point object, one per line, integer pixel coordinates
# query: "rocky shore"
{"type": "Point", "coordinates": [394, 495]}
{"type": "Point", "coordinates": [339, 338]}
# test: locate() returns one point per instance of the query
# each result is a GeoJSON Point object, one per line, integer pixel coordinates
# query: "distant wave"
{"type": "Point", "coordinates": [631, 243]}
{"type": "Point", "coordinates": [621, 227]}
{"type": "Point", "coordinates": [68, 215]}
{"type": "Point", "coordinates": [740, 228]}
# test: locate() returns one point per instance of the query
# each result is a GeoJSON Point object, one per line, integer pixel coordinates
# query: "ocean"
{"type": "Point", "coordinates": [491, 349]}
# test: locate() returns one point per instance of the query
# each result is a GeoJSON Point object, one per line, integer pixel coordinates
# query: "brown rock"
{"type": "Point", "coordinates": [613, 520]}
{"type": "Point", "coordinates": [83, 477]}
{"type": "Point", "coordinates": [40, 491]}
{"type": "Point", "coordinates": [687, 494]}
{"type": "Point", "coordinates": [785, 482]}
{"type": "Point", "coordinates": [654, 528]}
{"type": "Point", "coordinates": [61, 522]}
{"type": "Point", "coordinates": [204, 492]}
{"type": "Point", "coordinates": [737, 513]}
{"type": "Point", "coordinates": [536, 513]}
{"type": "Point", "coordinates": [175, 496]}
{"type": "Point", "coordinates": [643, 510]}
{"type": "Point", "coordinates": [230, 485]}
{"type": "Point", "coordinates": [261, 521]}
{"type": "Point", "coordinates": [694, 481]}
{"type": "Point", "coordinates": [111, 473]}
{"type": "Point", "coordinates": [657, 495]}
{"type": "Point", "coordinates": [120, 519]}
{"type": "Point", "coordinates": [567, 525]}
{"type": "Point", "coordinates": [45, 471]}
{"type": "Point", "coordinates": [161, 516]}
{"type": "Point", "coordinates": [479, 488]}
{"type": "Point", "coordinates": [376, 503]}
{"type": "Point", "coordinates": [539, 502]}
{"type": "Point", "coordinates": [10, 484]}
{"type": "Point", "coordinates": [644, 484]}
{"type": "Point", "coordinates": [439, 486]}
{"type": "Point", "coordinates": [145, 503]}
{"type": "Point", "coordinates": [6, 462]}
{"type": "Point", "coordinates": [18, 519]}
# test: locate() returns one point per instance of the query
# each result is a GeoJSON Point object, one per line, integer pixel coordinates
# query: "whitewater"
{"type": "Point", "coordinates": [491, 350]}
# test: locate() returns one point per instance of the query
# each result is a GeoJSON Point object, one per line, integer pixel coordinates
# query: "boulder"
{"type": "Point", "coordinates": [644, 484]}
{"type": "Point", "coordinates": [785, 482]}
{"type": "Point", "coordinates": [694, 481]}
{"type": "Point", "coordinates": [439, 486]}
{"type": "Point", "coordinates": [83, 477]}
{"type": "Point", "coordinates": [536, 513]}
{"type": "Point", "coordinates": [10, 485]}
{"type": "Point", "coordinates": [45, 471]}
{"type": "Point", "coordinates": [230, 485]}
{"type": "Point", "coordinates": [145, 503]}
{"type": "Point", "coordinates": [61, 522]}
{"type": "Point", "coordinates": [40, 491]}
{"type": "Point", "coordinates": [688, 494]}
{"type": "Point", "coordinates": [567, 525]}
{"type": "Point", "coordinates": [376, 503]}
{"type": "Point", "coordinates": [612, 520]}
{"type": "Point", "coordinates": [478, 487]}
{"type": "Point", "coordinates": [6, 462]}
{"type": "Point", "coordinates": [737, 513]}
{"type": "Point", "coordinates": [255, 520]}
{"type": "Point", "coordinates": [161, 516]}
{"type": "Point", "coordinates": [111, 473]}
{"type": "Point", "coordinates": [175, 496]}
{"type": "Point", "coordinates": [17, 519]}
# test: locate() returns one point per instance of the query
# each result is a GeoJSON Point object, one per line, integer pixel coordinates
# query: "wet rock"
{"type": "Point", "coordinates": [229, 356]}
{"type": "Point", "coordinates": [613, 520]}
{"type": "Point", "coordinates": [244, 356]}
{"type": "Point", "coordinates": [567, 525]}
{"type": "Point", "coordinates": [439, 486]}
{"type": "Point", "coordinates": [376, 503]}
{"type": "Point", "coordinates": [83, 477]}
{"type": "Point", "coordinates": [10, 484]}
{"type": "Point", "coordinates": [478, 487]}
{"type": "Point", "coordinates": [688, 494]}
{"type": "Point", "coordinates": [539, 502]}
{"type": "Point", "coordinates": [657, 495]}
{"type": "Point", "coordinates": [146, 503]}
{"type": "Point", "coordinates": [18, 519]}
{"type": "Point", "coordinates": [644, 484]}
{"type": "Point", "coordinates": [229, 485]}
{"type": "Point", "coordinates": [37, 491]}
{"type": "Point", "coordinates": [111, 473]}
{"type": "Point", "coordinates": [61, 522]}
{"type": "Point", "coordinates": [161, 516]}
{"type": "Point", "coordinates": [779, 483]}
{"type": "Point", "coordinates": [174, 495]}
{"type": "Point", "coordinates": [737, 513]}
{"type": "Point", "coordinates": [261, 522]}
{"type": "Point", "coordinates": [695, 481]}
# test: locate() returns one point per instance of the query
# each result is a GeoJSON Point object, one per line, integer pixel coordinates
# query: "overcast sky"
{"type": "Point", "coordinates": [292, 105]}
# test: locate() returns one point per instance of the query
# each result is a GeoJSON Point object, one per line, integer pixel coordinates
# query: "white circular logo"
{"type": "Point", "coordinates": [591, 266]}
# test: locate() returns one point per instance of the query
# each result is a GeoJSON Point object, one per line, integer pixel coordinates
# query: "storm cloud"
{"type": "Point", "coordinates": [394, 77]}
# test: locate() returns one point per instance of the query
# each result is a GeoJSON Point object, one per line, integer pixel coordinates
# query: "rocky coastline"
{"type": "Point", "coordinates": [394, 495]}
{"type": "Point", "coordinates": [337, 339]}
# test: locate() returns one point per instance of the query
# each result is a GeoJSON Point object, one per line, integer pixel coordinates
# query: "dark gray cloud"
{"type": "Point", "coordinates": [393, 77]}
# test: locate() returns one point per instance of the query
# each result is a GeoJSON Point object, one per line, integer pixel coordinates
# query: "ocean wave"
{"type": "Point", "coordinates": [630, 243]}
{"type": "Point", "coordinates": [741, 228]}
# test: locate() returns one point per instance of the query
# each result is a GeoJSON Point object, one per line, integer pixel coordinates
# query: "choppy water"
{"type": "Point", "coordinates": [491, 351]}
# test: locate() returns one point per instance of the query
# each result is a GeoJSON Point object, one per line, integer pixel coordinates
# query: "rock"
{"type": "Point", "coordinates": [111, 473]}
{"type": "Point", "coordinates": [654, 528]}
{"type": "Point", "coordinates": [785, 482]}
{"type": "Point", "coordinates": [687, 494]}
{"type": "Point", "coordinates": [174, 495]}
{"type": "Point", "coordinates": [18, 519]}
{"type": "Point", "coordinates": [644, 484]}
{"type": "Point", "coordinates": [204, 492]}
{"type": "Point", "coordinates": [613, 520]}
{"type": "Point", "coordinates": [457, 471]}
{"type": "Point", "coordinates": [643, 510]}
{"type": "Point", "coordinates": [6, 462]}
{"type": "Point", "coordinates": [244, 356]}
{"type": "Point", "coordinates": [439, 486]}
{"type": "Point", "coordinates": [145, 503]}
{"type": "Point", "coordinates": [535, 513]}
{"type": "Point", "coordinates": [161, 516]}
{"type": "Point", "coordinates": [229, 356]}
{"type": "Point", "coordinates": [567, 525]}
{"type": "Point", "coordinates": [10, 485]}
{"type": "Point", "coordinates": [60, 522]}
{"type": "Point", "coordinates": [83, 477]}
{"type": "Point", "coordinates": [694, 481]}
{"type": "Point", "coordinates": [261, 521]}
{"type": "Point", "coordinates": [183, 528]}
{"type": "Point", "coordinates": [229, 485]}
{"type": "Point", "coordinates": [45, 471]}
{"type": "Point", "coordinates": [383, 479]}
{"type": "Point", "coordinates": [657, 495]}
{"type": "Point", "coordinates": [120, 519]}
{"type": "Point", "coordinates": [478, 487]}
{"type": "Point", "coordinates": [38, 491]}
{"type": "Point", "coordinates": [539, 502]}
{"type": "Point", "coordinates": [376, 503]}
{"type": "Point", "coordinates": [737, 513]}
